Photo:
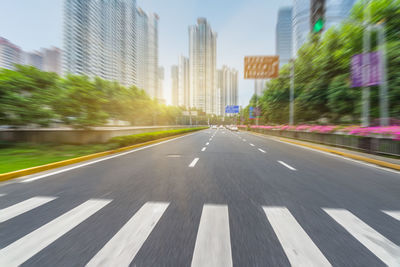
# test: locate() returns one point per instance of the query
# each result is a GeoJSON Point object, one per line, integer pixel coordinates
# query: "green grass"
{"type": "Point", "coordinates": [21, 156]}
{"type": "Point", "coordinates": [25, 155]}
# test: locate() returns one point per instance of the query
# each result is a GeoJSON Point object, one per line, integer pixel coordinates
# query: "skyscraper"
{"type": "Point", "coordinates": [99, 39]}
{"type": "Point", "coordinates": [175, 85]}
{"type": "Point", "coordinates": [202, 65]}
{"type": "Point", "coordinates": [335, 12]}
{"type": "Point", "coordinates": [227, 89]}
{"type": "Point", "coordinates": [52, 59]}
{"type": "Point", "coordinates": [10, 54]}
{"type": "Point", "coordinates": [184, 82]}
{"type": "Point", "coordinates": [147, 52]}
{"type": "Point", "coordinates": [259, 87]}
{"type": "Point", "coordinates": [300, 23]}
{"type": "Point", "coordinates": [283, 44]}
{"type": "Point", "coordinates": [160, 85]}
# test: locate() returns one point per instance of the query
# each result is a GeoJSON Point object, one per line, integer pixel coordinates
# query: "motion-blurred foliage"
{"type": "Point", "coordinates": [322, 72]}
{"type": "Point", "coordinates": [29, 96]}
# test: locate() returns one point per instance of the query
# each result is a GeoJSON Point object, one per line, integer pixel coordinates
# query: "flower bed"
{"type": "Point", "coordinates": [392, 132]}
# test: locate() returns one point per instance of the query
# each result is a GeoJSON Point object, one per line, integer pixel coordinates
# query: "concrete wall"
{"type": "Point", "coordinates": [76, 136]}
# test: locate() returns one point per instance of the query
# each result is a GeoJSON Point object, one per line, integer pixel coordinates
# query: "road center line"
{"type": "Point", "coordinates": [203, 149]}
{"type": "Point", "coordinates": [99, 160]}
{"type": "Point", "coordinates": [252, 144]}
{"type": "Point", "coordinates": [263, 151]}
{"type": "Point", "coordinates": [287, 165]}
{"type": "Point", "coordinates": [207, 143]}
{"type": "Point", "coordinates": [191, 165]}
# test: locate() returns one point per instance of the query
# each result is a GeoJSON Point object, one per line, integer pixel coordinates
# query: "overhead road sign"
{"type": "Point", "coordinates": [261, 67]}
{"type": "Point", "coordinates": [232, 109]}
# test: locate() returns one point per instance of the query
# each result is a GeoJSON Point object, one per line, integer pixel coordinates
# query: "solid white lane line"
{"type": "Point", "coordinates": [394, 214]}
{"type": "Point", "coordinates": [213, 244]}
{"type": "Point", "coordinates": [191, 165]}
{"type": "Point", "coordinates": [124, 245]}
{"type": "Point", "coordinates": [298, 246]}
{"type": "Point", "coordinates": [203, 149]}
{"type": "Point", "coordinates": [287, 165]}
{"type": "Point", "coordinates": [99, 160]}
{"type": "Point", "coordinates": [252, 144]}
{"type": "Point", "coordinates": [207, 143]}
{"type": "Point", "coordinates": [263, 151]}
{"type": "Point", "coordinates": [22, 207]}
{"type": "Point", "coordinates": [383, 248]}
{"type": "Point", "coordinates": [26, 247]}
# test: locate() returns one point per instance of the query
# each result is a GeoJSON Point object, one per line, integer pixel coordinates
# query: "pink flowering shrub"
{"type": "Point", "coordinates": [389, 131]}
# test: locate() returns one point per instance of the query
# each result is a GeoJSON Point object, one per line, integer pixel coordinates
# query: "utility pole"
{"type": "Point", "coordinates": [291, 107]}
{"type": "Point", "coordinates": [366, 66]}
{"type": "Point", "coordinates": [383, 87]}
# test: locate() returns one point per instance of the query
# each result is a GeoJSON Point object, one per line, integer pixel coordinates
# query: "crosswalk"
{"type": "Point", "coordinates": [212, 245]}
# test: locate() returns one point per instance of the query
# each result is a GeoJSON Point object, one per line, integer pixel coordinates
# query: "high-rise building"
{"type": "Point", "coordinates": [175, 85]}
{"type": "Point", "coordinates": [300, 23]}
{"type": "Point", "coordinates": [99, 39]}
{"type": "Point", "coordinates": [10, 54]}
{"type": "Point", "coordinates": [227, 89]}
{"type": "Point", "coordinates": [34, 59]}
{"type": "Point", "coordinates": [283, 44]}
{"type": "Point", "coordinates": [160, 85]}
{"type": "Point", "coordinates": [183, 82]}
{"type": "Point", "coordinates": [259, 87]}
{"type": "Point", "coordinates": [335, 12]}
{"type": "Point", "coordinates": [52, 60]}
{"type": "Point", "coordinates": [202, 66]}
{"type": "Point", "coordinates": [147, 52]}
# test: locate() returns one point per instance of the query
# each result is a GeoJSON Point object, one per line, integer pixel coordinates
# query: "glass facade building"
{"type": "Point", "coordinates": [283, 43]}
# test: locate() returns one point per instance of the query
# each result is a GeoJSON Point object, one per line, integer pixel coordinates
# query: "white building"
{"type": "Point", "coordinates": [227, 89]}
{"type": "Point", "coordinates": [10, 54]}
{"type": "Point", "coordinates": [184, 82]}
{"type": "Point", "coordinates": [52, 60]}
{"type": "Point", "coordinates": [160, 86]}
{"type": "Point", "coordinates": [283, 44]}
{"type": "Point", "coordinates": [147, 53]}
{"type": "Point", "coordinates": [202, 66]}
{"type": "Point", "coordinates": [175, 85]}
{"type": "Point", "coordinates": [259, 87]}
{"type": "Point", "coordinates": [99, 39]}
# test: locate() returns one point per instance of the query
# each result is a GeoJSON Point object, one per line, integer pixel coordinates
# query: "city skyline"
{"type": "Point", "coordinates": [227, 18]}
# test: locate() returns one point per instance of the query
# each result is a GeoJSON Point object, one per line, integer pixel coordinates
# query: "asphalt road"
{"type": "Point", "coordinates": [212, 198]}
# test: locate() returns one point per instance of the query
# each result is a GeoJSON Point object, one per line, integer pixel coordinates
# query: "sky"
{"type": "Point", "coordinates": [244, 27]}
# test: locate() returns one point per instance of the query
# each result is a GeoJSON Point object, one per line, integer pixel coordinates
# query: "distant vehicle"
{"type": "Point", "coordinates": [214, 127]}
{"type": "Point", "coordinates": [221, 127]}
{"type": "Point", "coordinates": [234, 128]}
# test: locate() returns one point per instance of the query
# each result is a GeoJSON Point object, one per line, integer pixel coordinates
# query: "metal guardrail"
{"type": "Point", "coordinates": [372, 145]}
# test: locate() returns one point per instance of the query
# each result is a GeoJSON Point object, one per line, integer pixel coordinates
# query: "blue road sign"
{"type": "Point", "coordinates": [232, 109]}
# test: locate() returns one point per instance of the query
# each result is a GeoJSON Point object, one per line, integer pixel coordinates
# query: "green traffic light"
{"type": "Point", "coordinates": [319, 25]}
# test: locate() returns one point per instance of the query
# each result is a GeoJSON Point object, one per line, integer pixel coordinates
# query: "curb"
{"type": "Point", "coordinates": [344, 154]}
{"type": "Point", "coordinates": [33, 170]}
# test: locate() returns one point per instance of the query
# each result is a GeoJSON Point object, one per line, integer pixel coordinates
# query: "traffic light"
{"type": "Point", "coordinates": [317, 15]}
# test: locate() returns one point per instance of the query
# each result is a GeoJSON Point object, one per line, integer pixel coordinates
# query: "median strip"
{"type": "Point", "coordinates": [46, 167]}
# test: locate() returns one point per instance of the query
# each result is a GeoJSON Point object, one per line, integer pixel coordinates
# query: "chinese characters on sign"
{"type": "Point", "coordinates": [373, 76]}
{"type": "Point", "coordinates": [261, 67]}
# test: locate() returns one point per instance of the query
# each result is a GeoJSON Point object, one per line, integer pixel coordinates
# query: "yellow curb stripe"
{"type": "Point", "coordinates": [33, 170]}
{"type": "Point", "coordinates": [344, 154]}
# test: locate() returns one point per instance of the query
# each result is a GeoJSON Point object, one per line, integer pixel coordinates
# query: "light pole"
{"type": "Point", "coordinates": [383, 87]}
{"type": "Point", "coordinates": [366, 67]}
{"type": "Point", "coordinates": [291, 107]}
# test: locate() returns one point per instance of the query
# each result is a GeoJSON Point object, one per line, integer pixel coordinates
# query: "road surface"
{"type": "Point", "coordinates": [212, 198]}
